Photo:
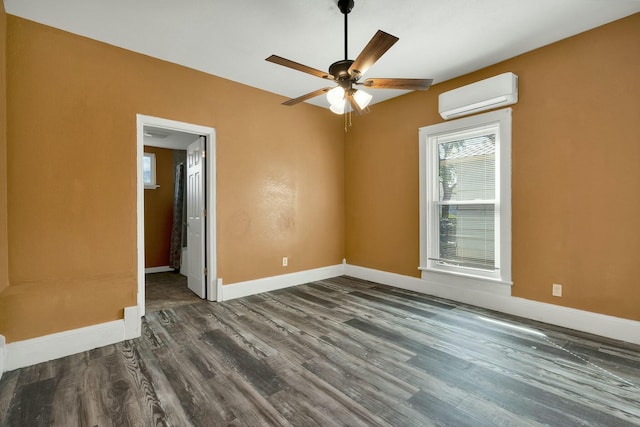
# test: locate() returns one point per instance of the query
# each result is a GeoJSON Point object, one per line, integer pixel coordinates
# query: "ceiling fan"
{"type": "Point", "coordinates": [347, 73]}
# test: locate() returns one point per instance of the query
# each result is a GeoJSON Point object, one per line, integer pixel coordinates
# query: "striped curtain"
{"type": "Point", "coordinates": [175, 249]}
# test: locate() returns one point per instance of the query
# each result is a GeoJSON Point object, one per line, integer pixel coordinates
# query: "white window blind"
{"type": "Point", "coordinates": [466, 200]}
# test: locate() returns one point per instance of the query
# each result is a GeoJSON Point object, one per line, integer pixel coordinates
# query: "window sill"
{"type": "Point", "coordinates": [466, 281]}
{"type": "Point", "coordinates": [151, 187]}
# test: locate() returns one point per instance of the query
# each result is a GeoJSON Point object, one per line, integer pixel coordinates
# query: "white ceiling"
{"type": "Point", "coordinates": [168, 138]}
{"type": "Point", "coordinates": [439, 39]}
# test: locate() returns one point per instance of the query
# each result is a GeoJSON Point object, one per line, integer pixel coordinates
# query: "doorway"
{"type": "Point", "coordinates": [182, 137]}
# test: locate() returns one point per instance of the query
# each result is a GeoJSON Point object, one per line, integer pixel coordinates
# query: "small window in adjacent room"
{"type": "Point", "coordinates": [149, 170]}
{"type": "Point", "coordinates": [465, 191]}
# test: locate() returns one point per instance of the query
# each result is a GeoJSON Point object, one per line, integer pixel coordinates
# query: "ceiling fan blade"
{"type": "Point", "coordinates": [377, 46]}
{"type": "Point", "coordinates": [309, 95]}
{"type": "Point", "coordinates": [297, 66]}
{"type": "Point", "coordinates": [406, 84]}
{"type": "Point", "coordinates": [355, 107]}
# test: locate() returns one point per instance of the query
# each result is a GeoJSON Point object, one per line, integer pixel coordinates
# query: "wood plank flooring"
{"type": "Point", "coordinates": [339, 352]}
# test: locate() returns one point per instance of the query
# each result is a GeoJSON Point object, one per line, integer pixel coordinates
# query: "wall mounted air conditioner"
{"type": "Point", "coordinates": [484, 95]}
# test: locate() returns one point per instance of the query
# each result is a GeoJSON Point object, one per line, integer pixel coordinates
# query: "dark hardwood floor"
{"type": "Point", "coordinates": [334, 352]}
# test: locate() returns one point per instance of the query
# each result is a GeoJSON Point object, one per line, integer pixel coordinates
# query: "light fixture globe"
{"type": "Point", "coordinates": [362, 98]}
{"type": "Point", "coordinates": [336, 95]}
{"type": "Point", "coordinates": [338, 108]}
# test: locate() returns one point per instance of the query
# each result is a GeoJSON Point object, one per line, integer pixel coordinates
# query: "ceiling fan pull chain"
{"type": "Point", "coordinates": [345, 122]}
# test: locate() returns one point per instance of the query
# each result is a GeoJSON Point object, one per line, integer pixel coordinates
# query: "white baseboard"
{"type": "Point", "coordinates": [581, 320]}
{"type": "Point", "coordinates": [132, 322]}
{"type": "Point", "coordinates": [266, 284]}
{"type": "Point", "coordinates": [3, 354]}
{"type": "Point", "coordinates": [161, 269]}
{"type": "Point", "coordinates": [42, 349]}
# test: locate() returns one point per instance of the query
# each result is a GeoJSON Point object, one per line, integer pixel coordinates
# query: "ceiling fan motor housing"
{"type": "Point", "coordinates": [339, 70]}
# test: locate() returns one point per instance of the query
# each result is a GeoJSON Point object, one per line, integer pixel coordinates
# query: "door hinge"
{"type": "Point", "coordinates": [205, 271]}
{"type": "Point", "coordinates": [204, 154]}
{"type": "Point", "coordinates": [204, 212]}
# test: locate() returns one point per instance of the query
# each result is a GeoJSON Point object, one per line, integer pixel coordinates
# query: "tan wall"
{"type": "Point", "coordinates": [281, 175]}
{"type": "Point", "coordinates": [4, 254]}
{"type": "Point", "coordinates": [158, 210]}
{"type": "Point", "coordinates": [576, 174]}
{"type": "Point", "coordinates": [72, 105]}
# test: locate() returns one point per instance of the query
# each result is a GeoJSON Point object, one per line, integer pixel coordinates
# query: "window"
{"type": "Point", "coordinates": [465, 189]}
{"type": "Point", "coordinates": [149, 170]}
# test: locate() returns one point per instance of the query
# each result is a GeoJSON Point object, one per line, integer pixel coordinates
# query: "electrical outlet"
{"type": "Point", "coordinates": [556, 290]}
{"type": "Point", "coordinates": [285, 261]}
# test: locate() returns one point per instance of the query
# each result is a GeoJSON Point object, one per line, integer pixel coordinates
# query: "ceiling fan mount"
{"type": "Point", "coordinates": [346, 72]}
{"type": "Point", "coordinates": [345, 6]}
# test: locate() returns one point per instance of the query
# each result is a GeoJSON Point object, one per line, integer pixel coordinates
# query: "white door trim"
{"type": "Point", "coordinates": [210, 146]}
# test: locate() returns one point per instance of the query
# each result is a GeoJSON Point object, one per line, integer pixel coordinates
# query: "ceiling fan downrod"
{"type": "Point", "coordinates": [339, 70]}
{"type": "Point", "coordinates": [345, 7]}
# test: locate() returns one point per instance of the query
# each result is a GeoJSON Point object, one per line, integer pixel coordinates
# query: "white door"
{"type": "Point", "coordinates": [196, 279]}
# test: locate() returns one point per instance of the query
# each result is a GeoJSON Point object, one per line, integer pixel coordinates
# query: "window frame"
{"type": "Point", "coordinates": [429, 138]}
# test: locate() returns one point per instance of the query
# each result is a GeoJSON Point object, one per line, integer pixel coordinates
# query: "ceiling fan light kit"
{"type": "Point", "coordinates": [337, 98]}
{"type": "Point", "coordinates": [346, 73]}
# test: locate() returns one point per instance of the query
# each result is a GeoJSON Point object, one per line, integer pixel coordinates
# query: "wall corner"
{"type": "Point", "coordinates": [4, 228]}
{"type": "Point", "coordinates": [3, 354]}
